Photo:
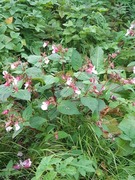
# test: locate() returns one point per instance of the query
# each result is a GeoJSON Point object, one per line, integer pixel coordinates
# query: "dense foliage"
{"type": "Point", "coordinates": [67, 89]}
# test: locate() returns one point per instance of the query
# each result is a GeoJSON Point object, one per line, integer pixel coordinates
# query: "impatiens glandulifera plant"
{"type": "Point", "coordinates": [61, 81]}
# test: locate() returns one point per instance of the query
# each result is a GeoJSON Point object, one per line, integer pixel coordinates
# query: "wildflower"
{"type": "Point", "coordinates": [76, 90]}
{"type": "Point", "coordinates": [19, 154]}
{"type": "Point", "coordinates": [23, 164]}
{"type": "Point", "coordinates": [132, 81]}
{"type": "Point", "coordinates": [9, 128]}
{"type": "Point", "coordinates": [5, 112]}
{"type": "Point", "coordinates": [54, 49]}
{"type": "Point", "coordinates": [134, 69]}
{"type": "Point", "coordinates": [46, 60]}
{"type": "Point", "coordinates": [91, 69]}
{"type": "Point", "coordinates": [45, 44]}
{"type": "Point", "coordinates": [69, 81]}
{"type": "Point", "coordinates": [45, 105]}
{"type": "Point", "coordinates": [17, 127]}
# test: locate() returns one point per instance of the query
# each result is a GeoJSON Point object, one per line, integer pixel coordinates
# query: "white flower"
{"type": "Point", "coordinates": [69, 81]}
{"type": "Point", "coordinates": [9, 128]}
{"type": "Point", "coordinates": [46, 60]}
{"type": "Point", "coordinates": [134, 69]}
{"type": "Point", "coordinates": [19, 154]}
{"type": "Point", "coordinates": [45, 105]}
{"type": "Point", "coordinates": [93, 70]}
{"type": "Point", "coordinates": [128, 32]}
{"type": "Point", "coordinates": [4, 73]}
{"type": "Point", "coordinates": [12, 66]}
{"type": "Point", "coordinates": [15, 81]}
{"type": "Point", "coordinates": [17, 127]}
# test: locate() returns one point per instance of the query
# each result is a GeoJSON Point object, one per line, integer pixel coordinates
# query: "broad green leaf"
{"type": "Point", "coordinates": [66, 92]}
{"type": "Point", "coordinates": [82, 76]}
{"type": "Point", "coordinates": [128, 126]}
{"type": "Point", "coordinates": [97, 57]}
{"type": "Point", "coordinates": [22, 94]}
{"type": "Point", "coordinates": [49, 79]}
{"type": "Point", "coordinates": [54, 57]}
{"type": "Point", "coordinates": [101, 105]}
{"type": "Point", "coordinates": [36, 122]}
{"type": "Point", "coordinates": [34, 72]}
{"type": "Point", "coordinates": [5, 92]}
{"type": "Point", "coordinates": [76, 60]}
{"type": "Point", "coordinates": [27, 113]}
{"type": "Point", "coordinates": [68, 107]}
{"type": "Point", "coordinates": [90, 102]}
{"type": "Point", "coordinates": [33, 59]}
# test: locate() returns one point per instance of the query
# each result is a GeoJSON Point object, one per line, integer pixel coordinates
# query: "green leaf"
{"type": "Point", "coordinates": [33, 59]}
{"type": "Point", "coordinates": [128, 126]}
{"type": "Point", "coordinates": [36, 122]}
{"type": "Point", "coordinates": [90, 102]}
{"type": "Point", "coordinates": [76, 60]}
{"type": "Point", "coordinates": [5, 92]}
{"type": "Point", "coordinates": [68, 107]}
{"type": "Point", "coordinates": [43, 166]}
{"type": "Point", "coordinates": [97, 57]}
{"type": "Point", "coordinates": [101, 105]}
{"type": "Point", "coordinates": [62, 135]}
{"type": "Point", "coordinates": [22, 94]}
{"type": "Point", "coordinates": [34, 72]}
{"type": "Point", "coordinates": [49, 79]}
{"type": "Point", "coordinates": [27, 113]}
{"type": "Point", "coordinates": [50, 175]}
{"type": "Point", "coordinates": [54, 57]}
{"type": "Point", "coordinates": [67, 91]}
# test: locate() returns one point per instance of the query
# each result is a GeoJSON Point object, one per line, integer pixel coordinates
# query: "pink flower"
{"type": "Point", "coordinates": [132, 81]}
{"type": "Point", "coordinates": [54, 49]}
{"type": "Point", "coordinates": [5, 112]}
{"type": "Point", "coordinates": [76, 90]}
{"type": "Point", "coordinates": [25, 164]}
{"type": "Point", "coordinates": [91, 69]}
{"type": "Point", "coordinates": [17, 166]}
{"type": "Point", "coordinates": [69, 81]}
{"type": "Point", "coordinates": [45, 105]}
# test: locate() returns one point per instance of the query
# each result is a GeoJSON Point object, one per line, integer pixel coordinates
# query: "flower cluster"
{"type": "Point", "coordinates": [70, 83]}
{"type": "Point", "coordinates": [23, 164]}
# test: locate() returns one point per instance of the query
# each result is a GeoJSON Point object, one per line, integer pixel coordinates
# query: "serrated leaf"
{"type": "Point", "coordinates": [90, 102]}
{"type": "Point", "coordinates": [22, 94]}
{"type": "Point", "coordinates": [68, 107]}
{"type": "Point", "coordinates": [76, 60]}
{"type": "Point", "coordinates": [97, 57]}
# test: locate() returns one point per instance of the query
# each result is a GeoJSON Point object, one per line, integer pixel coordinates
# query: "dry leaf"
{"type": "Point", "coordinates": [9, 20]}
